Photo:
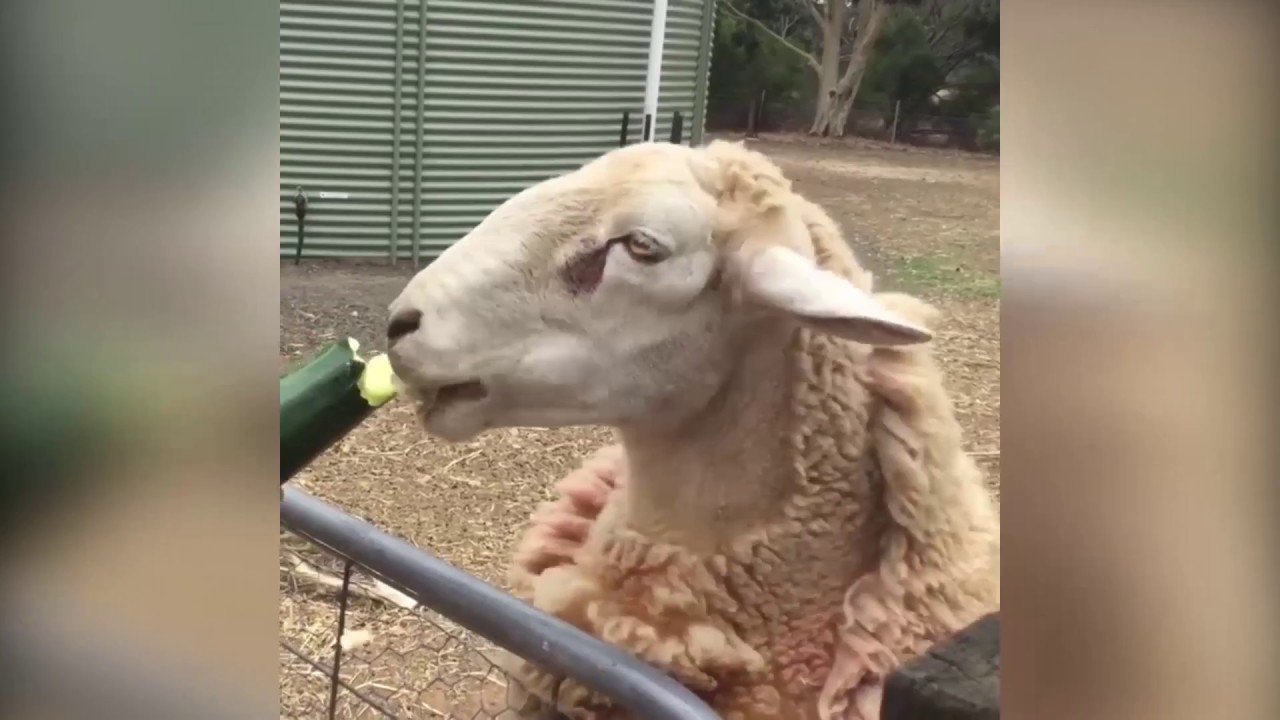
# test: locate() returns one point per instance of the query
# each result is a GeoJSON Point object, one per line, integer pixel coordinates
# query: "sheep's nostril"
{"type": "Point", "coordinates": [402, 323]}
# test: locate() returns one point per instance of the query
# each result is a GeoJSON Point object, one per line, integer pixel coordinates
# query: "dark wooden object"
{"type": "Point", "coordinates": [957, 679]}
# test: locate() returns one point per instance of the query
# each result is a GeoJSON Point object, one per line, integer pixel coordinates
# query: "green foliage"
{"type": "Point", "coordinates": [747, 61]}
{"type": "Point", "coordinates": [989, 129]}
{"type": "Point", "coordinates": [933, 46]}
{"type": "Point", "coordinates": [902, 68]}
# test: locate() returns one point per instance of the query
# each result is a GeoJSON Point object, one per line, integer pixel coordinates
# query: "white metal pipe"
{"type": "Point", "coordinates": [657, 34]}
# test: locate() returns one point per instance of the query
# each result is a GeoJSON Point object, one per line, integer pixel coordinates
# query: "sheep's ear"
{"type": "Point", "coordinates": [784, 280]}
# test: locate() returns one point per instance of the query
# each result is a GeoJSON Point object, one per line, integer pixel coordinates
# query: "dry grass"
{"type": "Point", "coordinates": [925, 221]}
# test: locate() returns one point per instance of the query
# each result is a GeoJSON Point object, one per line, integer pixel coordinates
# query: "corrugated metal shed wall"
{"type": "Point", "coordinates": [338, 80]}
{"type": "Point", "coordinates": [513, 92]}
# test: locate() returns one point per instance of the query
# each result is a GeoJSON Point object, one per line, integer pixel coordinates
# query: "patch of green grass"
{"type": "Point", "coordinates": [940, 275]}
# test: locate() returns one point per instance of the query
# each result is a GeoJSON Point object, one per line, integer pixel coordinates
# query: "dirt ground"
{"type": "Point", "coordinates": [924, 221]}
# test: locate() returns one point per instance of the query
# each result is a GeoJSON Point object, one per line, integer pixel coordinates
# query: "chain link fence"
{"type": "Point", "coordinates": [372, 627]}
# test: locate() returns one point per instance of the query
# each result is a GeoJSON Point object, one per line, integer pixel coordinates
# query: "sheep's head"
{"type": "Point", "coordinates": [618, 292]}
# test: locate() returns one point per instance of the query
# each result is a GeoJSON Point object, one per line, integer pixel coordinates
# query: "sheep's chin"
{"type": "Point", "coordinates": [454, 413]}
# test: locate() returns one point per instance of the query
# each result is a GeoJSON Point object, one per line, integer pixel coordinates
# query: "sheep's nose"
{"type": "Point", "coordinates": [403, 322]}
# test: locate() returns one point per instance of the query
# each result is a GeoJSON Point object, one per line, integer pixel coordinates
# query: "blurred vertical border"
{"type": "Point", "coordinates": [1138, 327]}
{"type": "Point", "coordinates": [138, 212]}
{"type": "Point", "coordinates": [138, 215]}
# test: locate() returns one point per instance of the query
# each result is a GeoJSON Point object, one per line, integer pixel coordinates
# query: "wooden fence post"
{"type": "Point", "coordinates": [957, 679]}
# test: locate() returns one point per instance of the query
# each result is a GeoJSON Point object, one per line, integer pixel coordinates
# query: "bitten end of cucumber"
{"type": "Point", "coordinates": [377, 382]}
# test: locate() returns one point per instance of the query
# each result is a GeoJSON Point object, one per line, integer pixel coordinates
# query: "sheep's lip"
{"type": "Point", "coordinates": [432, 399]}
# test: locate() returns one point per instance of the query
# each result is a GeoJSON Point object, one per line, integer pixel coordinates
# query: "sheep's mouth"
{"type": "Point", "coordinates": [453, 412]}
{"type": "Point", "coordinates": [469, 391]}
{"type": "Point", "coordinates": [434, 399]}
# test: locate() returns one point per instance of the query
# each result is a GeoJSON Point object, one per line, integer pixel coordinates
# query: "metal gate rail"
{"type": "Point", "coordinates": [491, 613]}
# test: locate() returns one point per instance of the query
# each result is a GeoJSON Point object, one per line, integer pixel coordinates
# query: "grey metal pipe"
{"type": "Point", "coordinates": [417, 155]}
{"type": "Point", "coordinates": [550, 642]}
{"type": "Point", "coordinates": [395, 137]}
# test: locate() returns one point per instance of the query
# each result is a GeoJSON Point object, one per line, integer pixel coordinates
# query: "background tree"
{"type": "Point", "coordinates": [846, 31]}
{"type": "Point", "coordinates": [941, 61]}
{"type": "Point", "coordinates": [936, 57]}
{"type": "Point", "coordinates": [961, 32]}
{"type": "Point", "coordinates": [751, 70]}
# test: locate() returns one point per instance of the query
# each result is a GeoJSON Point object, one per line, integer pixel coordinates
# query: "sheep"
{"type": "Point", "coordinates": [789, 513]}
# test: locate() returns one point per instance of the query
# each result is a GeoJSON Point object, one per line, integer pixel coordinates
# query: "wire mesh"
{"type": "Point", "coordinates": [395, 659]}
{"type": "Point", "coordinates": [363, 635]}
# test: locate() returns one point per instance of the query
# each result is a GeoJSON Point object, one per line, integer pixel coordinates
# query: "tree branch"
{"type": "Point", "coordinates": [787, 23]}
{"type": "Point", "coordinates": [814, 12]}
{"type": "Point", "coordinates": [932, 12]}
{"type": "Point", "coordinates": [809, 59]}
{"type": "Point", "coordinates": [943, 28]}
{"type": "Point", "coordinates": [957, 57]}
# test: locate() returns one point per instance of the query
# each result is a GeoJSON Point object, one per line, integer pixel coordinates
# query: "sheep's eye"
{"type": "Point", "coordinates": [642, 248]}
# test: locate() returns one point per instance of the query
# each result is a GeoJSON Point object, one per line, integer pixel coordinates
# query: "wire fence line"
{"type": "Point", "coordinates": [391, 631]}
{"type": "Point", "coordinates": [977, 132]}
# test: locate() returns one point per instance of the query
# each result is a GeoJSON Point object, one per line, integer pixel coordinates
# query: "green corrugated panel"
{"type": "Point", "coordinates": [514, 92]}
{"type": "Point", "coordinates": [519, 91]}
{"type": "Point", "coordinates": [704, 71]}
{"type": "Point", "coordinates": [337, 102]}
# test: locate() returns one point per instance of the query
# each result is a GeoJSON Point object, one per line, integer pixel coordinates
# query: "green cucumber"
{"type": "Point", "coordinates": [325, 398]}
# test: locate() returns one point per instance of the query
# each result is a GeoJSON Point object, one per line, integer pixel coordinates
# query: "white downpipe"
{"type": "Point", "coordinates": [657, 34]}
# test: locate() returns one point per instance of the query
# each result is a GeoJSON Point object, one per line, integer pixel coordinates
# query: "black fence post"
{"type": "Point", "coordinates": [958, 679]}
{"type": "Point", "coordinates": [300, 212]}
{"type": "Point", "coordinates": [624, 132]}
{"type": "Point", "coordinates": [677, 128]}
{"type": "Point", "coordinates": [337, 643]}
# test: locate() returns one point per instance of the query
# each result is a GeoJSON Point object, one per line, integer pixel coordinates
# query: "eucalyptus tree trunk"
{"type": "Point", "coordinates": [837, 90]}
{"type": "Point", "coordinates": [828, 69]}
